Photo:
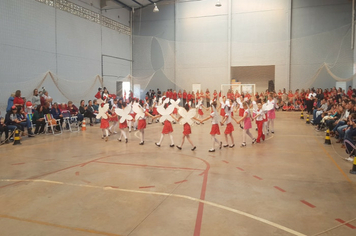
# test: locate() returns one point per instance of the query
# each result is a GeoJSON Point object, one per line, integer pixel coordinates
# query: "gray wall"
{"type": "Point", "coordinates": [204, 48]}
{"type": "Point", "coordinates": [36, 38]}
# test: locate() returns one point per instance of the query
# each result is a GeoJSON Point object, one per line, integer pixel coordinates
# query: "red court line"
{"type": "Point", "coordinates": [141, 165]}
{"type": "Point", "coordinates": [179, 182]}
{"type": "Point", "coordinates": [211, 156]}
{"type": "Point", "coordinates": [348, 224]}
{"type": "Point", "coordinates": [308, 204]}
{"type": "Point", "coordinates": [225, 162]}
{"type": "Point", "coordinates": [240, 168]}
{"type": "Point", "coordinates": [259, 178]}
{"type": "Point", "coordinates": [18, 163]}
{"type": "Point", "coordinates": [53, 172]}
{"type": "Point", "coordinates": [147, 187]}
{"type": "Point", "coordinates": [280, 189]}
{"type": "Point", "coordinates": [199, 218]}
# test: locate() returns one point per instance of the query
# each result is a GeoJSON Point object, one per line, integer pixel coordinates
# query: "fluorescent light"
{"type": "Point", "coordinates": [218, 4]}
{"type": "Point", "coordinates": [155, 9]}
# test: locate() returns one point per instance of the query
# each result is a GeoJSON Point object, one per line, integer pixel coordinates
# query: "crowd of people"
{"type": "Point", "coordinates": [332, 109]}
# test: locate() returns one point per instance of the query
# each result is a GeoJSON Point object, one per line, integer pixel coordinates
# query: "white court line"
{"type": "Point", "coordinates": [169, 195]}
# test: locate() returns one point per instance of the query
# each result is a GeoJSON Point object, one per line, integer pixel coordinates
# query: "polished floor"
{"type": "Point", "coordinates": [78, 184]}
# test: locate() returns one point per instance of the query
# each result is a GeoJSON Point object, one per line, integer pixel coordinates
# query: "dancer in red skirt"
{"type": "Point", "coordinates": [166, 118]}
{"type": "Point", "coordinates": [141, 115]}
{"type": "Point", "coordinates": [124, 117]}
{"type": "Point", "coordinates": [114, 118]}
{"type": "Point", "coordinates": [200, 107]}
{"type": "Point", "coordinates": [187, 117]}
{"type": "Point", "coordinates": [229, 127]}
{"type": "Point", "coordinates": [222, 101]}
{"type": "Point", "coordinates": [105, 116]}
{"type": "Point", "coordinates": [214, 116]}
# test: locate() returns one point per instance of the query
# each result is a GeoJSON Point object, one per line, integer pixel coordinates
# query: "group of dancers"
{"type": "Point", "coordinates": [167, 111]}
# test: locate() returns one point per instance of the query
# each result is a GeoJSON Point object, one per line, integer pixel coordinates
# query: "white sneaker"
{"type": "Point", "coordinates": [350, 159]}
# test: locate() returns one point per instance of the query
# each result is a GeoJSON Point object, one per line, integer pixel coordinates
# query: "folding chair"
{"type": "Point", "coordinates": [70, 120]}
{"type": "Point", "coordinates": [49, 124]}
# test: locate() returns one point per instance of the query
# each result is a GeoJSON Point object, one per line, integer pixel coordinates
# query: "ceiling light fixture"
{"type": "Point", "coordinates": [218, 4]}
{"type": "Point", "coordinates": [155, 9]}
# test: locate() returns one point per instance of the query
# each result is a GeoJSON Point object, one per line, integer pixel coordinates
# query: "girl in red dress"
{"type": "Point", "coordinates": [214, 116]}
{"type": "Point", "coordinates": [187, 130]}
{"type": "Point", "coordinates": [104, 124]}
{"type": "Point", "coordinates": [167, 129]}
{"type": "Point", "coordinates": [114, 118]}
{"type": "Point", "coordinates": [141, 114]}
{"type": "Point", "coordinates": [229, 127]}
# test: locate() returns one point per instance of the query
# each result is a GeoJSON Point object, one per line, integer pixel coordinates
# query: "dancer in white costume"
{"type": "Point", "coordinates": [215, 130]}
{"type": "Point", "coordinates": [124, 117]}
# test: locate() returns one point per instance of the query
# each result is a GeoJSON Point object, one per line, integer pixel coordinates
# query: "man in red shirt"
{"type": "Point", "coordinates": [184, 97]}
{"type": "Point", "coordinates": [349, 92]}
{"type": "Point", "coordinates": [98, 94]}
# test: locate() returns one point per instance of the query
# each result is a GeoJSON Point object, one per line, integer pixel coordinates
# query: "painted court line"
{"type": "Point", "coordinates": [58, 226]}
{"type": "Point", "coordinates": [147, 187]}
{"type": "Point", "coordinates": [225, 162]}
{"type": "Point", "coordinates": [270, 223]}
{"type": "Point", "coordinates": [347, 224]}
{"type": "Point", "coordinates": [307, 203]}
{"type": "Point", "coordinates": [280, 189]}
{"type": "Point", "coordinates": [15, 164]}
{"type": "Point", "coordinates": [179, 182]}
{"type": "Point", "coordinates": [240, 168]}
{"type": "Point", "coordinates": [259, 178]}
{"type": "Point", "coordinates": [332, 159]}
{"type": "Point", "coordinates": [143, 165]}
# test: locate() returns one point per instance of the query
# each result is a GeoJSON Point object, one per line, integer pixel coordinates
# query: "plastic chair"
{"type": "Point", "coordinates": [69, 120]}
{"type": "Point", "coordinates": [48, 120]}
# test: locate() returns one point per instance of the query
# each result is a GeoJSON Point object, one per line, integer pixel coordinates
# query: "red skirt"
{"type": "Point", "coordinates": [229, 129]}
{"type": "Point", "coordinates": [175, 111]}
{"type": "Point", "coordinates": [123, 125]}
{"type": "Point", "coordinates": [167, 128]}
{"type": "Point", "coordinates": [187, 129]}
{"type": "Point", "coordinates": [154, 112]}
{"type": "Point", "coordinates": [222, 112]}
{"type": "Point", "coordinates": [104, 123]}
{"type": "Point", "coordinates": [114, 118]}
{"type": "Point", "coordinates": [141, 124]}
{"type": "Point", "coordinates": [133, 115]}
{"type": "Point", "coordinates": [215, 129]}
{"type": "Point", "coordinates": [241, 112]}
{"type": "Point", "coordinates": [200, 112]}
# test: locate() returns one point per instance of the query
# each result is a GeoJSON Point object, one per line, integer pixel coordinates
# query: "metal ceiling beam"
{"type": "Point", "coordinates": [137, 3]}
{"type": "Point", "coordinates": [123, 4]}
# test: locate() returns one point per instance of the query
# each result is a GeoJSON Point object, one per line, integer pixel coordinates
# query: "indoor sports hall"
{"type": "Point", "coordinates": [177, 117]}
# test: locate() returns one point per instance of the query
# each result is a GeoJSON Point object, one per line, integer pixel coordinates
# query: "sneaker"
{"type": "Point", "coordinates": [231, 146]}
{"type": "Point", "coordinates": [126, 140]}
{"type": "Point", "coordinates": [158, 145]}
{"type": "Point", "coordinates": [243, 145]}
{"type": "Point", "coordinates": [180, 148]}
{"type": "Point", "coordinates": [194, 148]}
{"type": "Point", "coordinates": [350, 159]}
{"type": "Point", "coordinates": [219, 146]}
{"type": "Point", "coordinates": [226, 145]}
{"type": "Point", "coordinates": [254, 141]}
{"type": "Point", "coordinates": [172, 145]}
{"type": "Point", "coordinates": [141, 143]}
{"type": "Point", "coordinates": [211, 150]}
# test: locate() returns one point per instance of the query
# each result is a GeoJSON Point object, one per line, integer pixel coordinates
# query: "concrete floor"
{"type": "Point", "coordinates": [77, 184]}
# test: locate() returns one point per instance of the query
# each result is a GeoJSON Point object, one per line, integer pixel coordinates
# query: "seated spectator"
{"type": "Point", "coordinates": [10, 102]}
{"type": "Point", "coordinates": [46, 108]}
{"type": "Point", "coordinates": [57, 114]}
{"type": "Point", "coordinates": [4, 129]}
{"type": "Point", "coordinates": [91, 112]}
{"type": "Point", "coordinates": [318, 111]}
{"type": "Point", "coordinates": [22, 118]}
{"type": "Point", "coordinates": [63, 107]}
{"type": "Point", "coordinates": [74, 111]}
{"type": "Point", "coordinates": [83, 110]}
{"type": "Point", "coordinates": [39, 120]}
{"type": "Point", "coordinates": [11, 119]}
{"type": "Point", "coordinates": [36, 100]}
{"type": "Point", "coordinates": [18, 100]}
{"type": "Point", "coordinates": [46, 98]}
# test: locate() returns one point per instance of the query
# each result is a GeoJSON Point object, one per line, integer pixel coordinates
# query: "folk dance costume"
{"type": "Point", "coordinates": [187, 117]}
{"type": "Point", "coordinates": [115, 119]}
{"type": "Point", "coordinates": [166, 118]}
{"type": "Point", "coordinates": [271, 115]}
{"type": "Point", "coordinates": [215, 130]}
{"type": "Point", "coordinates": [141, 115]}
{"type": "Point", "coordinates": [104, 123]}
{"type": "Point", "coordinates": [229, 127]}
{"type": "Point", "coordinates": [247, 126]}
{"type": "Point", "coordinates": [125, 116]}
{"type": "Point", "coordinates": [260, 118]}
